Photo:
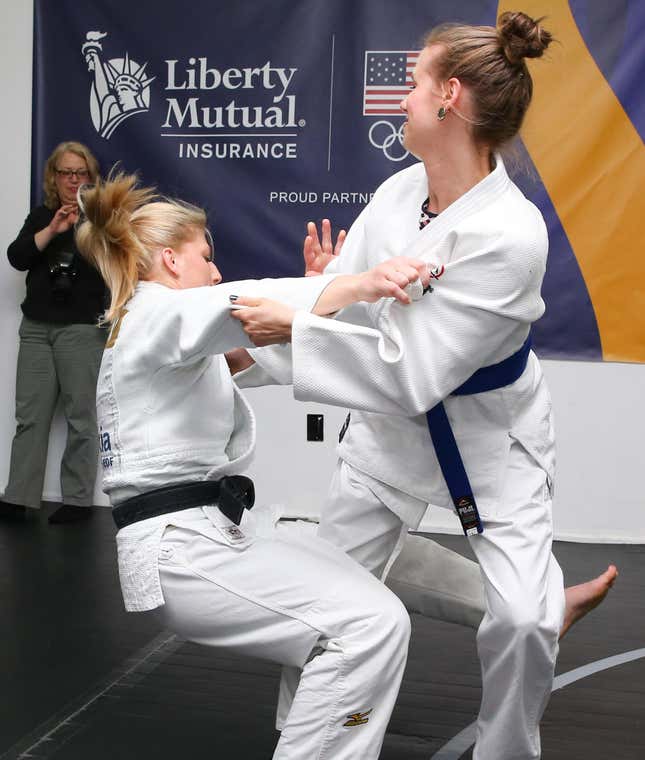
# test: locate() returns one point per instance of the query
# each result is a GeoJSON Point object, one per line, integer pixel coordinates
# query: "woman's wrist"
{"type": "Point", "coordinates": [341, 291]}
{"type": "Point", "coordinates": [44, 237]}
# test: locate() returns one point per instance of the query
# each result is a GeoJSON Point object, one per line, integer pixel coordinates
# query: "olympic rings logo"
{"type": "Point", "coordinates": [384, 135]}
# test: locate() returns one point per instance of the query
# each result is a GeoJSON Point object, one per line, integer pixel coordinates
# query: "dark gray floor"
{"type": "Point", "coordinates": [81, 679]}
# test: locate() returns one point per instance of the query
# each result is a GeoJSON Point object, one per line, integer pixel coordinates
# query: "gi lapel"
{"type": "Point", "coordinates": [429, 239]}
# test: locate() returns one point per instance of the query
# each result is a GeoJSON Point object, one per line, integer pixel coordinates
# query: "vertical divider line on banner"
{"type": "Point", "coordinates": [331, 99]}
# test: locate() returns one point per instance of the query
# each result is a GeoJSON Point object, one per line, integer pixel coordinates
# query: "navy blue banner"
{"type": "Point", "coordinates": [270, 114]}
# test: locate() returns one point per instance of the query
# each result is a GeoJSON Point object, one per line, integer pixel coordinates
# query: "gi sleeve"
{"type": "Point", "coordinates": [194, 323]}
{"type": "Point", "coordinates": [408, 358]}
{"type": "Point", "coordinates": [272, 367]}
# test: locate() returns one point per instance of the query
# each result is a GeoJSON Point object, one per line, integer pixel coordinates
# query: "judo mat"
{"type": "Point", "coordinates": [81, 678]}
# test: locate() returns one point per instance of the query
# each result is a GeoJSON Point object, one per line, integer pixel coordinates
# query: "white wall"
{"type": "Point", "coordinates": [600, 414]}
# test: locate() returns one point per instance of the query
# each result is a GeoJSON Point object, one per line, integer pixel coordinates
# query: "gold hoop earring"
{"type": "Point", "coordinates": [441, 113]}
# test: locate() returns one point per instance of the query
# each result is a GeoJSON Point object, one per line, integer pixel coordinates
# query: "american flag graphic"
{"type": "Point", "coordinates": [388, 78]}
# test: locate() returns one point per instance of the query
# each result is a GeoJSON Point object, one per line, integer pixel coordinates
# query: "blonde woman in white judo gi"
{"type": "Point", "coordinates": [485, 245]}
{"type": "Point", "coordinates": [175, 434]}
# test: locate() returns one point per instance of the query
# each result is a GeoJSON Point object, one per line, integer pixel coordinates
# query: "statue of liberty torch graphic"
{"type": "Point", "coordinates": [120, 88]}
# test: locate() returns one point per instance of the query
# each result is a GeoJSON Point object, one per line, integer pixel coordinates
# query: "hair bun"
{"type": "Point", "coordinates": [521, 36]}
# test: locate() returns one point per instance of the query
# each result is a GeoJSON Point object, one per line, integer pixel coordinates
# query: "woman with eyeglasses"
{"type": "Point", "coordinates": [60, 345]}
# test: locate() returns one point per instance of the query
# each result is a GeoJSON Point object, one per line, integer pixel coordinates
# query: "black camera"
{"type": "Point", "coordinates": [62, 272]}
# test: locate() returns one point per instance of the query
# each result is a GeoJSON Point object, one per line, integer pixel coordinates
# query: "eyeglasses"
{"type": "Point", "coordinates": [78, 173]}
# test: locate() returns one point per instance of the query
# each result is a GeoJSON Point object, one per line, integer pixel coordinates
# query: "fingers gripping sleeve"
{"type": "Point", "coordinates": [273, 363]}
{"type": "Point", "coordinates": [196, 322]}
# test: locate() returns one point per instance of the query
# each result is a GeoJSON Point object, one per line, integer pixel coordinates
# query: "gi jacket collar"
{"type": "Point", "coordinates": [475, 199]}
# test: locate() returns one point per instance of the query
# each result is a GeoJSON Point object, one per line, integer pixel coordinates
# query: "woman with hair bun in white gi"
{"type": "Point", "coordinates": [175, 436]}
{"type": "Point", "coordinates": [464, 416]}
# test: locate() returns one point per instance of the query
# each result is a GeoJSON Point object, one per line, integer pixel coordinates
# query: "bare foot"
{"type": "Point", "coordinates": [582, 598]}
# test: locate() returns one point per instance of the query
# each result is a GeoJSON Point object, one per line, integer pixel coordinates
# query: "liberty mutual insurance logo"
{"type": "Point", "coordinates": [211, 110]}
{"type": "Point", "coordinates": [119, 89]}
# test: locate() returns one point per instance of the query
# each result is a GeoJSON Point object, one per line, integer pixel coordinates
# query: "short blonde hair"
{"type": "Point", "coordinates": [52, 200]}
{"type": "Point", "coordinates": [124, 225]}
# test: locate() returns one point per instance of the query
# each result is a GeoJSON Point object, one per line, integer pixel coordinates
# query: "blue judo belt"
{"type": "Point", "coordinates": [443, 439]}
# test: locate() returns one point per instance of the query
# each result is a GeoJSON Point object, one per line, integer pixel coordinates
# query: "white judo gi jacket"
{"type": "Point", "coordinates": [488, 250]}
{"type": "Point", "coordinates": [168, 410]}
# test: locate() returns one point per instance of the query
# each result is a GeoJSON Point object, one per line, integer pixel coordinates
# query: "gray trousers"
{"type": "Point", "coordinates": [55, 361]}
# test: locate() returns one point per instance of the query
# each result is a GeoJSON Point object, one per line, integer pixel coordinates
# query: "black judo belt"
{"type": "Point", "coordinates": [231, 495]}
{"type": "Point", "coordinates": [485, 379]}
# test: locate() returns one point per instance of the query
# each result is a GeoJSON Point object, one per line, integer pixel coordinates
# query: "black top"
{"type": "Point", "coordinates": [67, 295]}
{"type": "Point", "coordinates": [426, 215]}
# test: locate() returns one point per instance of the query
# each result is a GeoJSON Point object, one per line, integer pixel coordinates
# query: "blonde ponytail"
{"type": "Point", "coordinates": [124, 226]}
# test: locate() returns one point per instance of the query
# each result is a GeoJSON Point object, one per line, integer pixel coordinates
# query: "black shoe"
{"type": "Point", "coordinates": [13, 512]}
{"type": "Point", "coordinates": [70, 513]}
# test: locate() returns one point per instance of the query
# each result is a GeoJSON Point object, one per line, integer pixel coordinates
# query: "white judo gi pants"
{"type": "Point", "coordinates": [429, 579]}
{"type": "Point", "coordinates": [298, 601]}
{"type": "Point", "coordinates": [517, 640]}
